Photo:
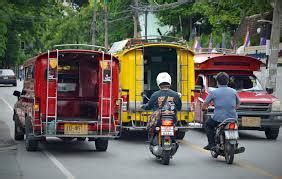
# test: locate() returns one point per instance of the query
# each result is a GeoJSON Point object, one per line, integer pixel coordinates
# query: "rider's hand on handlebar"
{"type": "Point", "coordinates": [204, 107]}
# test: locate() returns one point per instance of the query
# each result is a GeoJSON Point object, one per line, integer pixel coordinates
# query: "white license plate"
{"type": "Point", "coordinates": [231, 134]}
{"type": "Point", "coordinates": [167, 131]}
{"type": "Point", "coordinates": [251, 121]}
{"type": "Point", "coordinates": [5, 77]}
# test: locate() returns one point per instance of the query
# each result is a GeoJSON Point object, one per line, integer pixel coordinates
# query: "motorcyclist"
{"type": "Point", "coordinates": [157, 98]}
{"type": "Point", "coordinates": [226, 101]}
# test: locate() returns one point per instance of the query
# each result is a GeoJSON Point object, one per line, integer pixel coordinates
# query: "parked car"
{"type": "Point", "coordinates": [259, 109]}
{"type": "Point", "coordinates": [7, 76]}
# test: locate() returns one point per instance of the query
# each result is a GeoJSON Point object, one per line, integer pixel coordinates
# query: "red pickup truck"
{"type": "Point", "coordinates": [259, 109]}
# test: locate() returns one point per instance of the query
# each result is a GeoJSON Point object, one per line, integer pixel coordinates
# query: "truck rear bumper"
{"type": "Point", "coordinates": [266, 119]}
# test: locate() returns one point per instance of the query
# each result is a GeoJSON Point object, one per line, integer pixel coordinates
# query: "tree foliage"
{"type": "Point", "coordinates": [32, 26]}
{"type": "Point", "coordinates": [211, 16]}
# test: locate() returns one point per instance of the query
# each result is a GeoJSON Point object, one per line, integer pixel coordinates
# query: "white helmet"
{"type": "Point", "coordinates": [163, 77]}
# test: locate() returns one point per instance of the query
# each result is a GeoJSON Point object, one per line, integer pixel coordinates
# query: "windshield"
{"type": "Point", "coordinates": [238, 82]}
{"type": "Point", "coordinates": [6, 73]}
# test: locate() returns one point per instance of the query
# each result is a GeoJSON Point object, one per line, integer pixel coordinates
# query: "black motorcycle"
{"type": "Point", "coordinates": [226, 140]}
{"type": "Point", "coordinates": [162, 136]}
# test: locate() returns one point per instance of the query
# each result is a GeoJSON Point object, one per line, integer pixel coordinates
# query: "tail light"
{"type": "Point", "coordinates": [125, 102]}
{"type": "Point", "coordinates": [167, 123]}
{"type": "Point", "coordinates": [232, 126]}
{"type": "Point", "coordinates": [36, 108]}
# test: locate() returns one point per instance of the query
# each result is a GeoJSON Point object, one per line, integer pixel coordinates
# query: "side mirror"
{"type": "Point", "coordinates": [17, 93]}
{"type": "Point", "coordinates": [179, 94]}
{"type": "Point", "coordinates": [269, 90]}
{"type": "Point", "coordinates": [144, 95]}
{"type": "Point", "coordinates": [198, 89]}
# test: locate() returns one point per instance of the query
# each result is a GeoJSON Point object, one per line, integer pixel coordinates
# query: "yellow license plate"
{"type": "Point", "coordinates": [72, 129]}
{"type": "Point", "coordinates": [251, 121]}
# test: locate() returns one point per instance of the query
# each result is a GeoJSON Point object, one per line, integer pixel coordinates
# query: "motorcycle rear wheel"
{"type": "Point", "coordinates": [165, 158]}
{"type": "Point", "coordinates": [229, 152]}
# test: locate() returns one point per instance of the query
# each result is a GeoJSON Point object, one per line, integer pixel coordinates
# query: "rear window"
{"type": "Point", "coordinates": [7, 73]}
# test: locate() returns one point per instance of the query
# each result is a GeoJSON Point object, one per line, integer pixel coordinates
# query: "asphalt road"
{"type": "Point", "coordinates": [130, 158]}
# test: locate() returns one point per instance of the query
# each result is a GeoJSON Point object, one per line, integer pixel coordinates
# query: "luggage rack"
{"type": "Point", "coordinates": [91, 47]}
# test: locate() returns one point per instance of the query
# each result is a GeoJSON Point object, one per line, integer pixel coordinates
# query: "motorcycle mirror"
{"type": "Point", "coordinates": [179, 94]}
{"type": "Point", "coordinates": [201, 99]}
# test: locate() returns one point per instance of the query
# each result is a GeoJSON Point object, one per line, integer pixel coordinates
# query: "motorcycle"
{"type": "Point", "coordinates": [226, 140]}
{"type": "Point", "coordinates": [162, 136]}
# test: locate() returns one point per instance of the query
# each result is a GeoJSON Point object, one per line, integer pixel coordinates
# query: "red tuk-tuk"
{"type": "Point", "coordinates": [69, 94]}
{"type": "Point", "coordinates": [259, 109]}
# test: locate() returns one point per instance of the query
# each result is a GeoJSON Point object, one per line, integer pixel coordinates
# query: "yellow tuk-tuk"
{"type": "Point", "coordinates": [140, 63]}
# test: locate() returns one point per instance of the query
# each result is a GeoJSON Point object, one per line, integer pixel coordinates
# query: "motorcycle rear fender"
{"type": "Point", "coordinates": [233, 141]}
{"type": "Point", "coordinates": [168, 145]}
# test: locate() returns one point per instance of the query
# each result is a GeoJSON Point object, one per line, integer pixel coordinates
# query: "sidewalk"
{"type": "Point", "coordinates": [8, 150]}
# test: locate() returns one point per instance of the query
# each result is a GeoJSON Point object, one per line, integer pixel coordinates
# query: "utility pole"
{"type": "Point", "coordinates": [106, 24]}
{"type": "Point", "coordinates": [94, 25]}
{"type": "Point", "coordinates": [146, 24]}
{"type": "Point", "coordinates": [136, 19]}
{"type": "Point", "coordinates": [274, 45]}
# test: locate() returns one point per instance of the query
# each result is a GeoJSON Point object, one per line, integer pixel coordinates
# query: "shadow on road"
{"type": "Point", "coordinates": [139, 137]}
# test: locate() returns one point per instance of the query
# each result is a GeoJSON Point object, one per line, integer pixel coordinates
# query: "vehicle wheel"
{"type": "Point", "coordinates": [229, 152]}
{"type": "Point", "coordinates": [81, 138]}
{"type": "Point", "coordinates": [180, 135]}
{"type": "Point", "coordinates": [18, 133]}
{"type": "Point", "coordinates": [30, 143]}
{"type": "Point", "coordinates": [214, 154]}
{"type": "Point", "coordinates": [165, 157]}
{"type": "Point", "coordinates": [101, 144]}
{"type": "Point", "coordinates": [271, 133]}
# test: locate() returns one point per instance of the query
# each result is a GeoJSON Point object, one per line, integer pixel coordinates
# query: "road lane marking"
{"type": "Point", "coordinates": [7, 103]}
{"type": "Point", "coordinates": [11, 108]}
{"type": "Point", "coordinates": [48, 154]}
{"type": "Point", "coordinates": [61, 167]}
{"type": "Point", "coordinates": [241, 163]}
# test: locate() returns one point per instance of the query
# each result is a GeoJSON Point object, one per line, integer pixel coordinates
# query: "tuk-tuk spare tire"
{"type": "Point", "coordinates": [18, 133]}
{"type": "Point", "coordinates": [31, 144]}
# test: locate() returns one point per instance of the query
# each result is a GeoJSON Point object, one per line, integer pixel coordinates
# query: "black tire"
{"type": "Point", "coordinates": [165, 158]}
{"type": "Point", "coordinates": [18, 133]}
{"type": "Point", "coordinates": [229, 152]}
{"type": "Point", "coordinates": [271, 133]}
{"type": "Point", "coordinates": [180, 135]}
{"type": "Point", "coordinates": [31, 144]}
{"type": "Point", "coordinates": [101, 144]}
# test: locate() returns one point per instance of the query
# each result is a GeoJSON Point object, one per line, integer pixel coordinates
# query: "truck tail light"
{"type": "Point", "coordinates": [36, 108]}
{"type": "Point", "coordinates": [125, 102]}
